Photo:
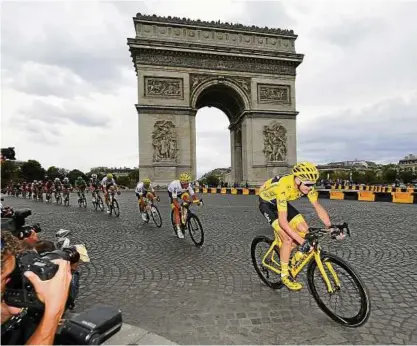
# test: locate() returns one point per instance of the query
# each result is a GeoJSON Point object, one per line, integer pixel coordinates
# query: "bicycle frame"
{"type": "Point", "coordinates": [295, 271]}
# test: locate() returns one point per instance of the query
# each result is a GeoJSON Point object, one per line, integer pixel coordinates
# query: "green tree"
{"type": "Point", "coordinates": [74, 174]}
{"type": "Point", "coordinates": [9, 171]}
{"type": "Point", "coordinates": [134, 175]}
{"type": "Point", "coordinates": [53, 172]}
{"type": "Point", "coordinates": [407, 176]}
{"type": "Point", "coordinates": [389, 173]}
{"type": "Point", "coordinates": [124, 181]}
{"type": "Point", "coordinates": [212, 180]}
{"type": "Point", "coordinates": [371, 177]}
{"type": "Point", "coordinates": [32, 170]}
{"type": "Point", "coordinates": [357, 177]}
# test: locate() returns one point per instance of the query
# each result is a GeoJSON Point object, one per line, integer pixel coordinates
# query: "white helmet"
{"type": "Point", "coordinates": [94, 176]}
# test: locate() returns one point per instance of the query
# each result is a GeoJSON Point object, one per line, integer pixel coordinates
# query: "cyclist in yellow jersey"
{"type": "Point", "coordinates": [288, 223]}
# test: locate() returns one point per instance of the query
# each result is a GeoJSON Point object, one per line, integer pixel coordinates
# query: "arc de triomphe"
{"type": "Point", "coordinates": [249, 73]}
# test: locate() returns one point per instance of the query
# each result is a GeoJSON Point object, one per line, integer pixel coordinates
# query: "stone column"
{"type": "Point", "coordinates": [258, 163]}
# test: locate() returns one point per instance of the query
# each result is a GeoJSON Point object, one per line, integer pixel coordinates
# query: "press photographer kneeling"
{"type": "Point", "coordinates": [52, 294]}
{"type": "Point", "coordinates": [39, 281]}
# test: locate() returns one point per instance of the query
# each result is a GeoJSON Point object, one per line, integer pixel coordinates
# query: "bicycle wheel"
{"type": "Point", "coordinates": [351, 286]}
{"type": "Point", "coordinates": [115, 208]}
{"type": "Point", "coordinates": [156, 216]}
{"type": "Point", "coordinates": [66, 201]}
{"type": "Point", "coordinates": [260, 246]}
{"type": "Point", "coordinates": [84, 202]}
{"type": "Point", "coordinates": [59, 199]}
{"type": "Point", "coordinates": [99, 202]}
{"type": "Point", "coordinates": [195, 229]}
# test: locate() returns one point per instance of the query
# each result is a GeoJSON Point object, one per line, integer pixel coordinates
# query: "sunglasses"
{"type": "Point", "coordinates": [308, 184]}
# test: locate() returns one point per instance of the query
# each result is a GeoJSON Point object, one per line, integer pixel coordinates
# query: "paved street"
{"type": "Point", "coordinates": [212, 295]}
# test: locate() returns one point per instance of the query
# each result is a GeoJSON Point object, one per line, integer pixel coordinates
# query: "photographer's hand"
{"type": "Point", "coordinates": [53, 293]}
{"type": "Point", "coordinates": [8, 311]}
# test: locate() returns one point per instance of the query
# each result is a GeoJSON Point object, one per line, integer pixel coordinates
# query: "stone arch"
{"type": "Point", "coordinates": [247, 72]}
{"type": "Point", "coordinates": [220, 82]}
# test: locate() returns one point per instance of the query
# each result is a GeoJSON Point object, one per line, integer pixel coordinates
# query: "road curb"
{"type": "Point", "coordinates": [132, 335]}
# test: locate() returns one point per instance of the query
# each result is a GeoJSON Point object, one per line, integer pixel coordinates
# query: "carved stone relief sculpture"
{"type": "Point", "coordinates": [275, 142]}
{"type": "Point", "coordinates": [164, 141]}
{"type": "Point", "coordinates": [164, 87]}
{"type": "Point", "coordinates": [269, 93]}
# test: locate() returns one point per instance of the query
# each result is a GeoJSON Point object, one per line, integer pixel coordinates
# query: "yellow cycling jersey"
{"type": "Point", "coordinates": [279, 190]}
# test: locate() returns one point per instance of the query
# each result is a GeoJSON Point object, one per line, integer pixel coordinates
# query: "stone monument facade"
{"type": "Point", "coordinates": [248, 72]}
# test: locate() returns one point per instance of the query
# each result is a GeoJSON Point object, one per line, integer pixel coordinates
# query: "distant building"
{"type": "Point", "coordinates": [408, 162]}
{"type": "Point", "coordinates": [360, 165]}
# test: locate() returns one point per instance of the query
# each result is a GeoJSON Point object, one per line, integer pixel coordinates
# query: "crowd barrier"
{"type": "Point", "coordinates": [373, 188]}
{"type": "Point", "coordinates": [368, 195]}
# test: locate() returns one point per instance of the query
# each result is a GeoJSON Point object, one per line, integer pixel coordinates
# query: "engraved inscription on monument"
{"type": "Point", "coordinates": [275, 142]}
{"type": "Point", "coordinates": [164, 141]}
{"type": "Point", "coordinates": [164, 87]}
{"type": "Point", "coordinates": [269, 93]}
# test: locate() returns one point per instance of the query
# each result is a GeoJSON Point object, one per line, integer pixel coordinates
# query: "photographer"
{"type": "Point", "coordinates": [53, 293]}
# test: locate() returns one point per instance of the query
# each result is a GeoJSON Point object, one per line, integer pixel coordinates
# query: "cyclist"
{"type": "Point", "coordinates": [180, 189]}
{"type": "Point", "coordinates": [287, 222]}
{"type": "Point", "coordinates": [106, 183]}
{"type": "Point", "coordinates": [94, 187]}
{"type": "Point", "coordinates": [57, 187]}
{"type": "Point", "coordinates": [48, 187]}
{"type": "Point", "coordinates": [66, 185]}
{"type": "Point", "coordinates": [144, 189]}
{"type": "Point", "coordinates": [80, 185]}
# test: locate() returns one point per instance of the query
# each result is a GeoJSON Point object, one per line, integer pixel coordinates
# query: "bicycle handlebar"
{"type": "Point", "coordinates": [316, 232]}
{"type": "Point", "coordinates": [186, 204]}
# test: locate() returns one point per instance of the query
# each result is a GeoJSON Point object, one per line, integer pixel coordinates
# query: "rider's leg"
{"type": "Point", "coordinates": [176, 207]}
{"type": "Point", "coordinates": [271, 214]}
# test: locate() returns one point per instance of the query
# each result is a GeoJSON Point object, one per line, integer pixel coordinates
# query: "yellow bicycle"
{"type": "Point", "coordinates": [330, 278]}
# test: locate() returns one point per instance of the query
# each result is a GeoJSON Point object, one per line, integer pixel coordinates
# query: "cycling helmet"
{"type": "Point", "coordinates": [146, 181]}
{"type": "Point", "coordinates": [56, 180]}
{"type": "Point", "coordinates": [66, 180]}
{"type": "Point", "coordinates": [306, 171]}
{"type": "Point", "coordinates": [94, 176]}
{"type": "Point", "coordinates": [185, 178]}
{"type": "Point", "coordinates": [109, 176]}
{"type": "Point", "coordinates": [79, 178]}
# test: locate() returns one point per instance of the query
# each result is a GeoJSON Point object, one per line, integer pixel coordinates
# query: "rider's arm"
{"type": "Point", "coordinates": [321, 212]}
{"type": "Point", "coordinates": [192, 193]}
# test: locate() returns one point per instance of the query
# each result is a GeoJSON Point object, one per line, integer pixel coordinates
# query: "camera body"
{"type": "Point", "coordinates": [19, 290]}
{"type": "Point", "coordinates": [15, 223]}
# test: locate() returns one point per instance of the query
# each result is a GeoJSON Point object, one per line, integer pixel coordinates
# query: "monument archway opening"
{"type": "Point", "coordinates": [248, 72]}
{"type": "Point", "coordinates": [227, 99]}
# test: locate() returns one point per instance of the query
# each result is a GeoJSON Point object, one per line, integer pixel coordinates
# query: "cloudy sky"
{"type": "Point", "coordinates": [68, 86]}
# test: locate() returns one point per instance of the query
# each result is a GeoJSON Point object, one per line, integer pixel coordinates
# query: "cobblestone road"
{"type": "Point", "coordinates": [213, 295]}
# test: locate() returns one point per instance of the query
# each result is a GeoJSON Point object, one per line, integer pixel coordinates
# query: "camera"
{"type": "Point", "coordinates": [15, 223]}
{"type": "Point", "coordinates": [19, 290]}
{"type": "Point", "coordinates": [69, 254]}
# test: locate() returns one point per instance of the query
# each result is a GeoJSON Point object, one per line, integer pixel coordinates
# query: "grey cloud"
{"type": "Point", "coordinates": [267, 13]}
{"type": "Point", "coordinates": [44, 80]}
{"type": "Point", "coordinates": [352, 30]}
{"type": "Point", "coordinates": [96, 52]}
{"type": "Point", "coordinates": [51, 114]}
{"type": "Point", "coordinates": [384, 132]}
